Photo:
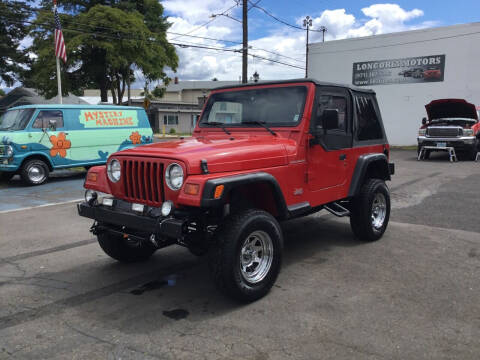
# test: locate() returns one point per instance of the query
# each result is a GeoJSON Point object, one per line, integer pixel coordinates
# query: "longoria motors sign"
{"type": "Point", "coordinates": [399, 71]}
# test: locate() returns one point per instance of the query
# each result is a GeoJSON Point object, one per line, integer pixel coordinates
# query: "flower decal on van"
{"type": "Point", "coordinates": [136, 138]}
{"type": "Point", "coordinates": [60, 145]}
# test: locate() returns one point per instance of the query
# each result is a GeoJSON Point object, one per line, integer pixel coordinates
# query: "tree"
{"type": "Point", "coordinates": [12, 30]}
{"type": "Point", "coordinates": [103, 44]}
{"type": "Point", "coordinates": [2, 93]}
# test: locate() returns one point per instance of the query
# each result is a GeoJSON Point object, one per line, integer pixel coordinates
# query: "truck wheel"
{"type": "Point", "coordinates": [472, 152]}
{"type": "Point", "coordinates": [371, 210]}
{"type": "Point", "coordinates": [246, 256]}
{"type": "Point", "coordinates": [119, 249]}
{"type": "Point", "coordinates": [34, 172]}
{"type": "Point", "coordinates": [6, 176]}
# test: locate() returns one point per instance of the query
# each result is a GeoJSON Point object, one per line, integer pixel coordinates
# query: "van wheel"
{"type": "Point", "coordinates": [34, 172]}
{"type": "Point", "coordinates": [371, 210]}
{"type": "Point", "coordinates": [246, 255]}
{"type": "Point", "coordinates": [123, 250]}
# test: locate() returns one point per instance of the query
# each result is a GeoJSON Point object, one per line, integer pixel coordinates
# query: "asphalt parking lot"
{"type": "Point", "coordinates": [412, 295]}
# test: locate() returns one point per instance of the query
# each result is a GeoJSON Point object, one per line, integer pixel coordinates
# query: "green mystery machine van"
{"type": "Point", "coordinates": [37, 139]}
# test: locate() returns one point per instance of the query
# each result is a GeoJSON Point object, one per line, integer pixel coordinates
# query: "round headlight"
{"type": "Point", "coordinates": [114, 170]}
{"type": "Point", "coordinates": [174, 176]}
{"type": "Point", "coordinates": [9, 151]}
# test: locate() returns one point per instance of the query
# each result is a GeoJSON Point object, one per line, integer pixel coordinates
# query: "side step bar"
{"type": "Point", "coordinates": [336, 209]}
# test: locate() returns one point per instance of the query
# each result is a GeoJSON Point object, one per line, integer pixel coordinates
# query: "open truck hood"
{"type": "Point", "coordinates": [222, 154]}
{"type": "Point", "coordinates": [451, 108]}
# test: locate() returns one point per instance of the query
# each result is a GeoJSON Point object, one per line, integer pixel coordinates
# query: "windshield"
{"type": "Point", "coordinates": [280, 106]}
{"type": "Point", "coordinates": [15, 119]}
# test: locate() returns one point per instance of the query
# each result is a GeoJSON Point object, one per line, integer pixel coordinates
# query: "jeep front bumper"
{"type": "Point", "coordinates": [463, 142]}
{"type": "Point", "coordinates": [118, 215]}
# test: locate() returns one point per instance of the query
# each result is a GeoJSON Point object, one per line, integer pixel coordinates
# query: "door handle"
{"type": "Point", "coordinates": [343, 157]}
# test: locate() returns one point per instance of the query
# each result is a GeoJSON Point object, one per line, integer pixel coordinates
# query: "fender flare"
{"type": "Point", "coordinates": [41, 155]}
{"type": "Point", "coordinates": [231, 182]}
{"type": "Point", "coordinates": [361, 168]}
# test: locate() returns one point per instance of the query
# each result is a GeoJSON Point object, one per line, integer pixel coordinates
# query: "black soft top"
{"type": "Point", "coordinates": [316, 82]}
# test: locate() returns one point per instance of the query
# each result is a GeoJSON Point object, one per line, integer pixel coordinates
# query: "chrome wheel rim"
{"type": "Point", "coordinates": [36, 173]}
{"type": "Point", "coordinates": [256, 256]}
{"type": "Point", "coordinates": [379, 210]}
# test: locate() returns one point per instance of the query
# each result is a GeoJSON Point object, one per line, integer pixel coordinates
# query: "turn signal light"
{"type": "Point", "coordinates": [192, 189]}
{"type": "Point", "coordinates": [219, 191]}
{"type": "Point", "coordinates": [92, 177]}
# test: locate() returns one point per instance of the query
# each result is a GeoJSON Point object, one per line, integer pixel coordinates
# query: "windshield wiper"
{"type": "Point", "coordinates": [218, 123]}
{"type": "Point", "coordinates": [262, 124]}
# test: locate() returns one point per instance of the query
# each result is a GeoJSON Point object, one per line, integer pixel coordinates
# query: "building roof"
{"type": "Point", "coordinates": [290, 81]}
{"type": "Point", "coordinates": [27, 96]}
{"type": "Point", "coordinates": [198, 85]}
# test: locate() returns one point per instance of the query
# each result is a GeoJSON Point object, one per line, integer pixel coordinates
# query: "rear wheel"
{"type": "Point", "coordinates": [371, 210]}
{"type": "Point", "coordinates": [246, 256]}
{"type": "Point", "coordinates": [124, 249]}
{"type": "Point", "coordinates": [34, 172]}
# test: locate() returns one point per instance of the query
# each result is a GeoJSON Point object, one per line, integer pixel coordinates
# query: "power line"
{"type": "Point", "coordinates": [278, 19]}
{"type": "Point", "coordinates": [182, 45]}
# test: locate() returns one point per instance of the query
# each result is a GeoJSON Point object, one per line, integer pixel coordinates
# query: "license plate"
{"type": "Point", "coordinates": [441, 144]}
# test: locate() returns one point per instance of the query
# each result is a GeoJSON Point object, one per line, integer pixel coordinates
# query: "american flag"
{"type": "Point", "coordinates": [60, 51]}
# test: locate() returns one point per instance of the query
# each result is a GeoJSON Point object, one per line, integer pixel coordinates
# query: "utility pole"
{"type": "Point", "coordinates": [307, 22]}
{"type": "Point", "coordinates": [323, 29]}
{"type": "Point", "coordinates": [245, 43]}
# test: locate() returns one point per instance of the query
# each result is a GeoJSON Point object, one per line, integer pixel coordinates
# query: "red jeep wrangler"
{"type": "Point", "coordinates": [260, 154]}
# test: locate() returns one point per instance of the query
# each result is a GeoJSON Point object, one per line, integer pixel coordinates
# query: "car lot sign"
{"type": "Point", "coordinates": [419, 69]}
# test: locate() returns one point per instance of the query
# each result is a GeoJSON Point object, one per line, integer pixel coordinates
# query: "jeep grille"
{"type": "Point", "coordinates": [447, 131]}
{"type": "Point", "coordinates": [143, 181]}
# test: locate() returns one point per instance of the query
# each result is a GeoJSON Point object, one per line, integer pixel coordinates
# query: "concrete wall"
{"type": "Point", "coordinates": [402, 105]}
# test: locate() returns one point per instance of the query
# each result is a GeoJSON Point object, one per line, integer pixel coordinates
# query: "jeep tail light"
{"type": "Point", "coordinates": [219, 191]}
{"type": "Point", "coordinates": [192, 189]}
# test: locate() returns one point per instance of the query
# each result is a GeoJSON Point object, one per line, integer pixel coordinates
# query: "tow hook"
{"type": "Point", "coordinates": [95, 229]}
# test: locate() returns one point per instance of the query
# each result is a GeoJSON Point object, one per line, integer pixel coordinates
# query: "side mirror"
{"type": "Point", "coordinates": [424, 121]}
{"type": "Point", "coordinates": [52, 125]}
{"type": "Point", "coordinates": [330, 119]}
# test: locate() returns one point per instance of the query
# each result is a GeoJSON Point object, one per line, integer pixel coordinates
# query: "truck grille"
{"type": "Point", "coordinates": [143, 181]}
{"type": "Point", "coordinates": [444, 131]}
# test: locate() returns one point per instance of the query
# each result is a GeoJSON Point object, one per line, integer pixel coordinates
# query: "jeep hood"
{"type": "Point", "coordinates": [222, 154]}
{"type": "Point", "coordinates": [451, 108]}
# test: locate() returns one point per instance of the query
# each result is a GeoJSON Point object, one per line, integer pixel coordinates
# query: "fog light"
{"type": "Point", "coordinates": [91, 197]}
{"type": "Point", "coordinates": [138, 207]}
{"type": "Point", "coordinates": [107, 201]}
{"type": "Point", "coordinates": [167, 208]}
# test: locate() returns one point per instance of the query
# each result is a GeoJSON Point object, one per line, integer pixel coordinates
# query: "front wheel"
{"type": "Point", "coordinates": [246, 256]}
{"type": "Point", "coordinates": [371, 210]}
{"type": "Point", "coordinates": [34, 172]}
{"type": "Point", "coordinates": [124, 249]}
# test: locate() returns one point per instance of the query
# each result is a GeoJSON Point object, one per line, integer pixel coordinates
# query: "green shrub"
{"type": "Point", "coordinates": [172, 131]}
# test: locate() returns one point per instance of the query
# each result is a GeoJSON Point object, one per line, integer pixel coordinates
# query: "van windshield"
{"type": "Point", "coordinates": [15, 119]}
{"type": "Point", "coordinates": [277, 106]}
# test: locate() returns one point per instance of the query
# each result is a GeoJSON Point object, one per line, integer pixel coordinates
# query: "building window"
{"type": "Point", "coordinates": [170, 119]}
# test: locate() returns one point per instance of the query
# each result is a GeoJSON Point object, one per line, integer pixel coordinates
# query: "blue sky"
{"type": "Point", "coordinates": [343, 19]}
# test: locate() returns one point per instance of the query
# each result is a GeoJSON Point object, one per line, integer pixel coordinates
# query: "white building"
{"type": "Point", "coordinates": [407, 70]}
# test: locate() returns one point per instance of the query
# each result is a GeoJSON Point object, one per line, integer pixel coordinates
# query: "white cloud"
{"type": "Point", "coordinates": [187, 15]}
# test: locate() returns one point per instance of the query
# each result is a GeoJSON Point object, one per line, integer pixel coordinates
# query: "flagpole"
{"type": "Point", "coordinates": [59, 82]}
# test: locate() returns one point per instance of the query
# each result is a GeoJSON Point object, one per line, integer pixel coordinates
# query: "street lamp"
{"type": "Point", "coordinates": [307, 23]}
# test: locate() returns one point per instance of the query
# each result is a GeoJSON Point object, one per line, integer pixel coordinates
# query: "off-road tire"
{"type": "Point", "coordinates": [472, 152]}
{"type": "Point", "coordinates": [6, 176]}
{"type": "Point", "coordinates": [361, 210]}
{"type": "Point", "coordinates": [26, 172]}
{"type": "Point", "coordinates": [224, 257]}
{"type": "Point", "coordinates": [116, 247]}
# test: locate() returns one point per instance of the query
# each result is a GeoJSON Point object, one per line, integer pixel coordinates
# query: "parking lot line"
{"type": "Point", "coordinates": [40, 206]}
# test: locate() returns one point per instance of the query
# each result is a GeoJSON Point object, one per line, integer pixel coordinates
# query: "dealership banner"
{"type": "Point", "coordinates": [419, 69]}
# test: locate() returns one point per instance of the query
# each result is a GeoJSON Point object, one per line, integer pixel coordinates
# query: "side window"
{"type": "Point", "coordinates": [333, 102]}
{"type": "Point", "coordinates": [43, 119]}
{"type": "Point", "coordinates": [368, 123]}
